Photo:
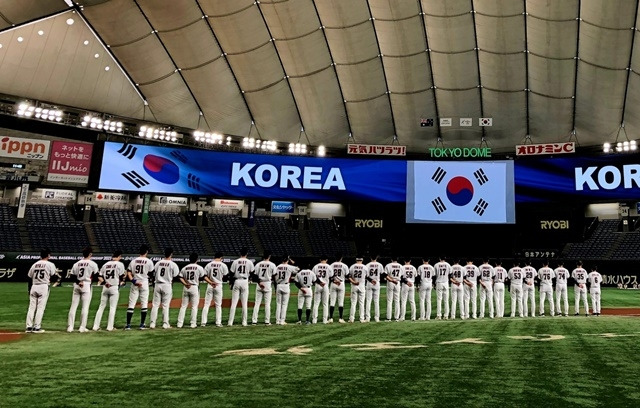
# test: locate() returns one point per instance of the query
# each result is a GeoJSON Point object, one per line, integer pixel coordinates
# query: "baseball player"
{"type": "Point", "coordinates": [111, 274]}
{"type": "Point", "coordinates": [443, 272]}
{"type": "Point", "coordinates": [322, 271]}
{"type": "Point", "coordinates": [487, 274]}
{"type": "Point", "coordinates": [190, 277]}
{"type": "Point", "coordinates": [165, 271]}
{"type": "Point", "coordinates": [304, 280]}
{"type": "Point", "coordinates": [471, 289]}
{"type": "Point", "coordinates": [562, 275]}
{"type": "Point", "coordinates": [264, 271]}
{"type": "Point", "coordinates": [374, 272]}
{"type": "Point", "coordinates": [529, 289]}
{"type": "Point", "coordinates": [82, 270]}
{"type": "Point", "coordinates": [408, 290]}
{"type": "Point", "coordinates": [579, 275]}
{"type": "Point", "coordinates": [216, 272]}
{"type": "Point", "coordinates": [594, 289]}
{"type": "Point", "coordinates": [458, 274]}
{"type": "Point", "coordinates": [138, 273]}
{"type": "Point", "coordinates": [498, 287]}
{"type": "Point", "coordinates": [40, 274]}
{"type": "Point", "coordinates": [283, 277]}
{"type": "Point", "coordinates": [546, 276]}
{"type": "Point", "coordinates": [425, 275]}
{"type": "Point", "coordinates": [516, 276]}
{"type": "Point", "coordinates": [393, 270]}
{"type": "Point", "coordinates": [240, 270]}
{"type": "Point", "coordinates": [357, 274]}
{"type": "Point", "coordinates": [339, 275]}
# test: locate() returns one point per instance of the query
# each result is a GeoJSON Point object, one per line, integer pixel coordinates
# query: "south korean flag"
{"type": "Point", "coordinates": [472, 192]}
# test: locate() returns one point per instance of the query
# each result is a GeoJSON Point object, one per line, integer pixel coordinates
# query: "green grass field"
{"type": "Point", "coordinates": [549, 362]}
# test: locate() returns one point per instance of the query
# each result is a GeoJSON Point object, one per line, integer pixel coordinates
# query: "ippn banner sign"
{"type": "Point", "coordinates": [166, 170]}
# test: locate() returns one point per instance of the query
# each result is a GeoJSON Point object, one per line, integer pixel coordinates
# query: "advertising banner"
{"type": "Point", "coordinates": [20, 148]}
{"type": "Point", "coordinates": [228, 204]}
{"type": "Point", "coordinates": [106, 197]}
{"type": "Point", "coordinates": [70, 162]}
{"type": "Point", "coordinates": [282, 207]}
{"type": "Point", "coordinates": [179, 201]}
{"type": "Point", "coordinates": [56, 194]}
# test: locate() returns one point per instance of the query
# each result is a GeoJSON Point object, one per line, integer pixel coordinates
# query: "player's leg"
{"type": "Point", "coordinates": [167, 296]}
{"type": "Point", "coordinates": [31, 311]}
{"type": "Point", "coordinates": [43, 297]}
{"type": "Point", "coordinates": [208, 298]}
{"type": "Point", "coordinates": [428, 303]}
{"type": "Point", "coordinates": [576, 291]}
{"type": "Point", "coordinates": [368, 299]}
{"type": "Point", "coordinates": [422, 294]}
{"type": "Point", "coordinates": [454, 300]}
{"type": "Point", "coordinates": [267, 305]}
{"type": "Point", "coordinates": [155, 305]}
{"type": "Point", "coordinates": [244, 298]}
{"type": "Point", "coordinates": [376, 303]}
{"type": "Point", "coordinates": [361, 304]}
{"type": "Point", "coordinates": [144, 304]}
{"type": "Point", "coordinates": [464, 311]}
{"type": "Point", "coordinates": [552, 308]}
{"type": "Point", "coordinates": [133, 298]}
{"type": "Point", "coordinates": [341, 295]}
{"type": "Point", "coordinates": [543, 296]}
{"type": "Point", "coordinates": [217, 302]}
{"type": "Point", "coordinates": [333, 297]}
{"type": "Point", "coordinates": [533, 300]}
{"type": "Point", "coordinates": [235, 296]}
{"type": "Point", "coordinates": [85, 298]}
{"type": "Point", "coordinates": [353, 299]}
{"type": "Point", "coordinates": [256, 306]}
{"type": "Point", "coordinates": [565, 294]}
{"type": "Point", "coordinates": [325, 304]}
{"type": "Point", "coordinates": [474, 300]}
{"type": "Point", "coordinates": [483, 298]}
{"type": "Point", "coordinates": [278, 304]}
{"type": "Point", "coordinates": [558, 294]}
{"type": "Point", "coordinates": [390, 287]}
{"type": "Point", "coordinates": [317, 298]}
{"type": "Point", "coordinates": [114, 295]}
{"type": "Point", "coordinates": [412, 302]}
{"type": "Point", "coordinates": [300, 304]}
{"type": "Point", "coordinates": [307, 300]}
{"type": "Point", "coordinates": [525, 299]}
{"type": "Point", "coordinates": [183, 307]}
{"type": "Point", "coordinates": [490, 300]}
{"type": "Point", "coordinates": [439, 295]}
{"type": "Point", "coordinates": [519, 294]}
{"type": "Point", "coordinates": [396, 301]}
{"type": "Point", "coordinates": [585, 300]}
{"type": "Point", "coordinates": [195, 301]}
{"type": "Point", "coordinates": [596, 306]}
{"type": "Point", "coordinates": [104, 298]}
{"type": "Point", "coordinates": [404, 293]}
{"type": "Point", "coordinates": [75, 300]}
{"type": "Point", "coordinates": [446, 302]}
{"type": "Point", "coordinates": [513, 301]}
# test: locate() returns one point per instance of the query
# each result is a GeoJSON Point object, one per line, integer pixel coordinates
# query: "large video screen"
{"type": "Point", "coordinates": [168, 170]}
{"type": "Point", "coordinates": [460, 192]}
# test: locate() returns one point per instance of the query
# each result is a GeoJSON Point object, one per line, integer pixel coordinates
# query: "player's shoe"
{"type": "Point", "coordinates": [587, 314]}
{"type": "Point", "coordinates": [299, 322]}
{"type": "Point", "coordinates": [96, 329]}
{"type": "Point", "coordinates": [577, 314]}
{"type": "Point", "coordinates": [166, 326]}
{"type": "Point", "coordinates": [307, 322]}
{"type": "Point", "coordinates": [111, 329]}
{"type": "Point", "coordinates": [388, 320]}
{"type": "Point", "coordinates": [446, 318]}
{"type": "Point", "coordinates": [254, 323]}
{"type": "Point", "coordinates": [341, 321]}
{"type": "Point", "coordinates": [38, 330]}
{"type": "Point", "coordinates": [438, 318]}
{"type": "Point", "coordinates": [28, 330]}
{"type": "Point", "coordinates": [283, 323]}
{"type": "Point", "coordinates": [70, 329]}
{"type": "Point", "coordinates": [83, 330]}
{"type": "Point", "coordinates": [143, 327]}
{"type": "Point", "coordinates": [315, 321]}
{"type": "Point", "coordinates": [267, 323]}
{"type": "Point", "coordinates": [218, 325]}
{"type": "Point", "coordinates": [330, 320]}
{"type": "Point", "coordinates": [127, 327]}
{"type": "Point", "coordinates": [542, 315]}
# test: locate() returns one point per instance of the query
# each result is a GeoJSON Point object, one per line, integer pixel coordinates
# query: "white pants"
{"type": "Point", "coordinates": [110, 295]}
{"type": "Point", "coordinates": [162, 294]}
{"type": "Point", "coordinates": [38, 296]}
{"type": "Point", "coordinates": [80, 294]}
{"type": "Point", "coordinates": [240, 292]}
{"type": "Point", "coordinates": [215, 295]}
{"type": "Point", "coordinates": [189, 296]}
{"type": "Point", "coordinates": [337, 294]}
{"type": "Point", "coordinates": [142, 293]}
{"type": "Point", "coordinates": [457, 300]}
{"type": "Point", "coordinates": [304, 299]}
{"type": "Point", "coordinates": [516, 299]}
{"type": "Point", "coordinates": [561, 294]}
{"type": "Point", "coordinates": [442, 294]}
{"type": "Point", "coordinates": [595, 300]}
{"type": "Point", "coordinates": [408, 293]}
{"type": "Point", "coordinates": [471, 296]}
{"type": "Point", "coordinates": [498, 295]}
{"type": "Point", "coordinates": [321, 295]}
{"type": "Point", "coordinates": [262, 293]}
{"type": "Point", "coordinates": [529, 293]}
{"type": "Point", "coordinates": [373, 293]}
{"type": "Point", "coordinates": [581, 293]}
{"type": "Point", "coordinates": [425, 302]}
{"type": "Point", "coordinates": [283, 291]}
{"type": "Point", "coordinates": [547, 291]}
{"type": "Point", "coordinates": [393, 300]}
{"type": "Point", "coordinates": [357, 298]}
{"type": "Point", "coordinates": [486, 295]}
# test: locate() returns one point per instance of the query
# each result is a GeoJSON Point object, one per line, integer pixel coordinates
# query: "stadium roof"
{"type": "Point", "coordinates": [319, 71]}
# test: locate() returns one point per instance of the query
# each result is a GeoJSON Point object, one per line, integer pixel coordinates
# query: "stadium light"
{"type": "Point", "coordinates": [207, 137]}
{"type": "Point", "coordinates": [321, 151]}
{"type": "Point", "coordinates": [297, 148]}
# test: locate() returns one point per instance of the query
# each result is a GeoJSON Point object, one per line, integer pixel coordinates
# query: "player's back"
{"type": "Point", "coordinates": [305, 277]}
{"type": "Point", "coordinates": [112, 271]}
{"type": "Point", "coordinates": [216, 270]}
{"type": "Point", "coordinates": [562, 274]}
{"type": "Point", "coordinates": [192, 273]}
{"type": "Point", "coordinates": [140, 267]}
{"type": "Point", "coordinates": [284, 273]}
{"type": "Point", "coordinates": [41, 272]}
{"type": "Point", "coordinates": [579, 275]}
{"type": "Point", "coordinates": [374, 270]}
{"type": "Point", "coordinates": [358, 272]}
{"type": "Point", "coordinates": [516, 276]}
{"type": "Point", "coordinates": [242, 267]}
{"type": "Point", "coordinates": [322, 271]}
{"type": "Point", "coordinates": [443, 270]}
{"type": "Point", "coordinates": [339, 270]}
{"type": "Point", "coordinates": [166, 270]}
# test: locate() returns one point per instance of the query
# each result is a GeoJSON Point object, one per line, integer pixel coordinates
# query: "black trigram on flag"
{"type": "Point", "coordinates": [178, 155]}
{"type": "Point", "coordinates": [480, 207]}
{"type": "Point", "coordinates": [128, 151]}
{"type": "Point", "coordinates": [135, 179]}
{"type": "Point", "coordinates": [438, 175]}
{"type": "Point", "coordinates": [193, 181]}
{"type": "Point", "coordinates": [480, 176]}
{"type": "Point", "coordinates": [438, 205]}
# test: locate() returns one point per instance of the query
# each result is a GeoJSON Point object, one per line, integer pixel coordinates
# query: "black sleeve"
{"type": "Point", "coordinates": [298, 285]}
{"type": "Point", "coordinates": [369, 279]}
{"type": "Point", "coordinates": [403, 280]}
{"type": "Point", "coordinates": [418, 279]}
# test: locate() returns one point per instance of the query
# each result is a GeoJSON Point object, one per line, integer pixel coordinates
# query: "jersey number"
{"type": "Point", "coordinates": [39, 273]}
{"type": "Point", "coordinates": [110, 274]}
{"type": "Point", "coordinates": [162, 270]}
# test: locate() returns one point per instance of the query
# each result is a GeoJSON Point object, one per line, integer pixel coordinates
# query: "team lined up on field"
{"type": "Point", "coordinates": [323, 284]}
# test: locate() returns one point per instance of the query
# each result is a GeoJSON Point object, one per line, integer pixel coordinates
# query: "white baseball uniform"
{"type": "Point", "coordinates": [546, 276]}
{"type": "Point", "coordinates": [458, 274]}
{"type": "Point", "coordinates": [357, 272]}
{"type": "Point", "coordinates": [215, 270]}
{"type": "Point", "coordinates": [166, 271]}
{"type": "Point", "coordinates": [426, 272]}
{"type": "Point", "coordinates": [265, 270]}
{"type": "Point", "coordinates": [471, 292]}
{"type": "Point", "coordinates": [443, 271]}
{"type": "Point", "coordinates": [498, 289]}
{"type": "Point", "coordinates": [408, 291]}
{"type": "Point", "coordinates": [595, 279]}
{"type": "Point", "coordinates": [529, 290]}
{"type": "Point", "coordinates": [240, 270]}
{"type": "Point", "coordinates": [82, 270]}
{"type": "Point", "coordinates": [284, 272]}
{"type": "Point", "coordinates": [372, 284]}
{"type": "Point", "coordinates": [40, 274]}
{"type": "Point", "coordinates": [394, 271]}
{"type": "Point", "coordinates": [338, 277]}
{"type": "Point", "coordinates": [516, 276]}
{"type": "Point", "coordinates": [487, 273]}
{"type": "Point", "coordinates": [111, 273]}
{"type": "Point", "coordinates": [140, 268]}
{"type": "Point", "coordinates": [305, 279]}
{"type": "Point", "coordinates": [191, 274]}
{"type": "Point", "coordinates": [562, 275]}
{"type": "Point", "coordinates": [579, 275]}
{"type": "Point", "coordinates": [322, 271]}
